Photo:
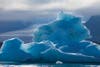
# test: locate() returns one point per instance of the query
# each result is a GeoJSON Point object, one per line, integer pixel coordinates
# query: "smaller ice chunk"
{"type": "Point", "coordinates": [10, 51]}
{"type": "Point", "coordinates": [59, 62]}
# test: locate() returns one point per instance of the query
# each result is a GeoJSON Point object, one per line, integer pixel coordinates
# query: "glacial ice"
{"type": "Point", "coordinates": [54, 54]}
{"type": "Point", "coordinates": [92, 50]}
{"type": "Point", "coordinates": [10, 51]}
{"type": "Point", "coordinates": [62, 31]}
{"type": "Point", "coordinates": [64, 40]}
{"type": "Point", "coordinates": [75, 47]}
{"type": "Point", "coordinates": [35, 49]}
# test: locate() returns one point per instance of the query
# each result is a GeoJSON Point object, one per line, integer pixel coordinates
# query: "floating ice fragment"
{"type": "Point", "coordinates": [59, 62]}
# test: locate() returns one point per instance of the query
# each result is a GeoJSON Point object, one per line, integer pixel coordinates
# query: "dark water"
{"type": "Point", "coordinates": [52, 65]}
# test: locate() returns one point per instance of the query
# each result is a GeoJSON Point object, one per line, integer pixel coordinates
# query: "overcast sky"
{"type": "Point", "coordinates": [45, 4]}
{"type": "Point", "coordinates": [28, 9]}
{"type": "Point", "coordinates": [84, 7]}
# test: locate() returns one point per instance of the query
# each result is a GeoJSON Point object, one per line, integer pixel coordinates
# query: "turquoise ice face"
{"type": "Point", "coordinates": [10, 51]}
{"type": "Point", "coordinates": [65, 30]}
{"type": "Point", "coordinates": [10, 44]}
{"type": "Point", "coordinates": [75, 31]}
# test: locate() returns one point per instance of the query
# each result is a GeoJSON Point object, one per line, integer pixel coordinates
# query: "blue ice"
{"type": "Point", "coordinates": [10, 51]}
{"type": "Point", "coordinates": [35, 49]}
{"type": "Point", "coordinates": [64, 39]}
{"type": "Point", "coordinates": [66, 30]}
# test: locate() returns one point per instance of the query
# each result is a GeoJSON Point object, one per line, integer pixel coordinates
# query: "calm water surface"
{"type": "Point", "coordinates": [52, 65]}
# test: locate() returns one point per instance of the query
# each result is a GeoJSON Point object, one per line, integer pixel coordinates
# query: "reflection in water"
{"type": "Point", "coordinates": [51, 65]}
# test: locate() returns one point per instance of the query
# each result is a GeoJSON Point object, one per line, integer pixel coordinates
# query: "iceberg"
{"type": "Point", "coordinates": [63, 40]}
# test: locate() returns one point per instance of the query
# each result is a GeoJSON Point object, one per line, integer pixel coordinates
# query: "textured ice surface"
{"type": "Point", "coordinates": [76, 57]}
{"type": "Point", "coordinates": [54, 54]}
{"type": "Point", "coordinates": [63, 31]}
{"type": "Point", "coordinates": [62, 40]}
{"type": "Point", "coordinates": [10, 51]}
{"type": "Point", "coordinates": [51, 54]}
{"type": "Point", "coordinates": [35, 49]}
{"type": "Point", "coordinates": [75, 47]}
{"type": "Point", "coordinates": [92, 50]}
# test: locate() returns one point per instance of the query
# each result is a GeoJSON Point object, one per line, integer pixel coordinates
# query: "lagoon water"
{"type": "Point", "coordinates": [53, 65]}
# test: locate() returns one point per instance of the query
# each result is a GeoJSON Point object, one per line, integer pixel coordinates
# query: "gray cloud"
{"type": "Point", "coordinates": [41, 1]}
{"type": "Point", "coordinates": [84, 7]}
{"type": "Point", "coordinates": [44, 4]}
{"type": "Point", "coordinates": [90, 10]}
